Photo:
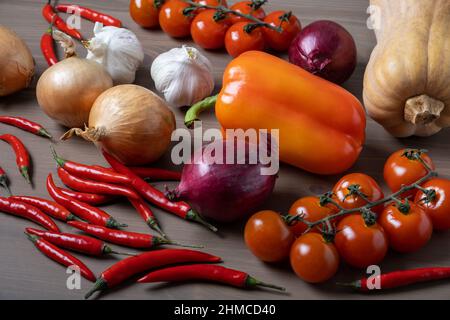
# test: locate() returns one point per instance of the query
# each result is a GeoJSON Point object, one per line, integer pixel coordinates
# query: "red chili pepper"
{"type": "Point", "coordinates": [156, 174]}
{"type": "Point", "coordinates": [4, 181]}
{"type": "Point", "coordinates": [126, 268]}
{"type": "Point", "coordinates": [95, 173]}
{"type": "Point", "coordinates": [24, 210]}
{"type": "Point", "coordinates": [80, 184]}
{"type": "Point", "coordinates": [147, 214]}
{"type": "Point", "coordinates": [75, 242]}
{"type": "Point", "coordinates": [26, 125]}
{"type": "Point", "coordinates": [124, 238]}
{"type": "Point", "coordinates": [49, 207]}
{"type": "Point", "coordinates": [206, 272]}
{"type": "Point", "coordinates": [402, 278]}
{"type": "Point", "coordinates": [49, 14]}
{"type": "Point", "coordinates": [47, 46]}
{"type": "Point", "coordinates": [80, 209]}
{"type": "Point", "coordinates": [89, 198]}
{"type": "Point", "coordinates": [22, 156]}
{"type": "Point", "coordinates": [153, 195]}
{"type": "Point", "coordinates": [61, 256]}
{"type": "Point", "coordinates": [90, 14]}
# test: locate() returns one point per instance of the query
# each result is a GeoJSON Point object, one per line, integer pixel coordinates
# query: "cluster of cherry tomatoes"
{"type": "Point", "coordinates": [212, 30]}
{"type": "Point", "coordinates": [360, 238]}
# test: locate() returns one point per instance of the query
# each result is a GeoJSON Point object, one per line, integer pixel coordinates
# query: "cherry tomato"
{"type": "Point", "coordinates": [346, 191]}
{"type": "Point", "coordinates": [402, 169]}
{"type": "Point", "coordinates": [358, 244]}
{"type": "Point", "coordinates": [290, 25]}
{"type": "Point", "coordinates": [268, 236]}
{"type": "Point", "coordinates": [173, 21]}
{"type": "Point", "coordinates": [145, 13]}
{"type": "Point", "coordinates": [246, 7]}
{"type": "Point", "coordinates": [438, 208]}
{"type": "Point", "coordinates": [238, 39]}
{"type": "Point", "coordinates": [406, 231]}
{"type": "Point", "coordinates": [314, 259]}
{"type": "Point", "coordinates": [208, 33]}
{"type": "Point", "coordinates": [312, 210]}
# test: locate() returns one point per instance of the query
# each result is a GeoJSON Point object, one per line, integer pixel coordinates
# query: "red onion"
{"type": "Point", "coordinates": [223, 192]}
{"type": "Point", "coordinates": [325, 49]}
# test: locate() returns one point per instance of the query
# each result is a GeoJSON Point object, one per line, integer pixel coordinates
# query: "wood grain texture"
{"type": "Point", "coordinates": [27, 274]}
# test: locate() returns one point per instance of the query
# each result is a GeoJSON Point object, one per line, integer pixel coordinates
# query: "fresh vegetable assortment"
{"type": "Point", "coordinates": [321, 127]}
{"type": "Point", "coordinates": [355, 222]}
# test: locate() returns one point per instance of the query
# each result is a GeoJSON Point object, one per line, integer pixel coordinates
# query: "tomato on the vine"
{"type": "Point", "coordinates": [406, 225]}
{"type": "Point", "coordinates": [360, 244]}
{"type": "Point", "coordinates": [313, 258]}
{"type": "Point", "coordinates": [145, 12]}
{"type": "Point", "coordinates": [242, 37]}
{"type": "Point", "coordinates": [403, 167]}
{"type": "Point", "coordinates": [436, 203]}
{"type": "Point", "coordinates": [354, 190]}
{"type": "Point", "coordinates": [173, 20]}
{"type": "Point", "coordinates": [268, 236]}
{"type": "Point", "coordinates": [253, 8]}
{"type": "Point", "coordinates": [312, 211]}
{"type": "Point", "coordinates": [208, 29]}
{"type": "Point", "coordinates": [280, 41]}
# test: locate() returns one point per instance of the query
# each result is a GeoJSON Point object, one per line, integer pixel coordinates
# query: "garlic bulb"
{"type": "Point", "coordinates": [118, 50]}
{"type": "Point", "coordinates": [183, 75]}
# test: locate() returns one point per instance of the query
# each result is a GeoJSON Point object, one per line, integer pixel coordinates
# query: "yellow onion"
{"type": "Point", "coordinates": [67, 90]}
{"type": "Point", "coordinates": [16, 63]}
{"type": "Point", "coordinates": [131, 123]}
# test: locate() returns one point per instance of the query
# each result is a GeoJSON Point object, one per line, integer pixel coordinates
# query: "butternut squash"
{"type": "Point", "coordinates": [407, 79]}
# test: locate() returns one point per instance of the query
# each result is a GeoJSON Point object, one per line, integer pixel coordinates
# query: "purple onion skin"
{"type": "Point", "coordinates": [326, 49]}
{"type": "Point", "coordinates": [224, 192]}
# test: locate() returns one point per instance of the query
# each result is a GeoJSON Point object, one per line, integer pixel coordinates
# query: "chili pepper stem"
{"type": "Point", "coordinates": [252, 282]}
{"type": "Point", "coordinates": [193, 113]}
{"type": "Point", "coordinates": [31, 237]}
{"type": "Point", "coordinates": [99, 285]}
{"type": "Point", "coordinates": [354, 285]}
{"type": "Point", "coordinates": [4, 184]}
{"type": "Point", "coordinates": [194, 216]}
{"type": "Point", "coordinates": [162, 241]}
{"type": "Point", "coordinates": [108, 250]}
{"type": "Point", "coordinates": [112, 223]}
{"type": "Point", "coordinates": [25, 174]}
{"type": "Point", "coordinates": [152, 223]}
{"type": "Point", "coordinates": [44, 133]}
{"type": "Point", "coordinates": [60, 161]}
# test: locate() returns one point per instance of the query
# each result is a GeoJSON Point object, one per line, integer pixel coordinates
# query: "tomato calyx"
{"type": "Point", "coordinates": [413, 154]}
{"type": "Point", "coordinates": [327, 198]}
{"type": "Point", "coordinates": [189, 11]}
{"type": "Point", "coordinates": [402, 206]}
{"type": "Point", "coordinates": [285, 17]}
{"type": "Point", "coordinates": [429, 195]}
{"type": "Point", "coordinates": [219, 15]}
{"type": "Point", "coordinates": [256, 4]}
{"type": "Point", "coordinates": [248, 28]}
{"type": "Point", "coordinates": [355, 190]}
{"type": "Point", "coordinates": [291, 220]}
{"type": "Point", "coordinates": [158, 3]}
{"type": "Point", "coordinates": [370, 217]}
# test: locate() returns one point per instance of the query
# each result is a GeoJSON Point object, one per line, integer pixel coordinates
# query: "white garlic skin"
{"type": "Point", "coordinates": [183, 75]}
{"type": "Point", "coordinates": [118, 50]}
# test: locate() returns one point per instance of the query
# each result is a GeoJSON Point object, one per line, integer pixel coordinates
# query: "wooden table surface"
{"type": "Point", "coordinates": [27, 274]}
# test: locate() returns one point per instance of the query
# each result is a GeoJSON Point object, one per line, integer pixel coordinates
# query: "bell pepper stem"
{"type": "Point", "coordinates": [193, 113]}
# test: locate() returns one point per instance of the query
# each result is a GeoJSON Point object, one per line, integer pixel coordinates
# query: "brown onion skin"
{"type": "Point", "coordinates": [67, 90]}
{"type": "Point", "coordinates": [16, 63]}
{"type": "Point", "coordinates": [326, 49]}
{"type": "Point", "coordinates": [137, 124]}
{"type": "Point", "coordinates": [223, 192]}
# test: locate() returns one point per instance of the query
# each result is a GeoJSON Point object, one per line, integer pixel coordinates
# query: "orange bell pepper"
{"type": "Point", "coordinates": [321, 125]}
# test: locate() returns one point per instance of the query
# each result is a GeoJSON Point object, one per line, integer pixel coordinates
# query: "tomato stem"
{"type": "Point", "coordinates": [226, 10]}
{"type": "Point", "coordinates": [412, 154]}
